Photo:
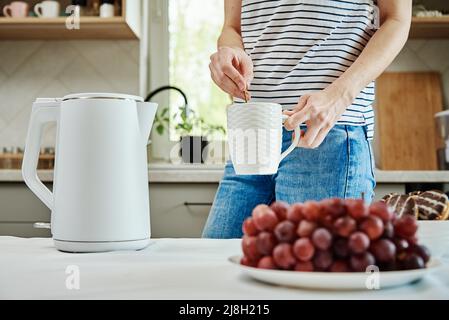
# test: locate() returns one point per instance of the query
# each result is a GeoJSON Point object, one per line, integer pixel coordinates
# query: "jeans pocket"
{"type": "Point", "coordinates": [360, 173]}
{"type": "Point", "coordinates": [372, 160]}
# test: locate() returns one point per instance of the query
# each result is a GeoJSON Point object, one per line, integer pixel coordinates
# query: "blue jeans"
{"type": "Point", "coordinates": [341, 167]}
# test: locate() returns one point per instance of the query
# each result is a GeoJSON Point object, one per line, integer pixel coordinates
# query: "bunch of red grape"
{"type": "Point", "coordinates": [333, 235]}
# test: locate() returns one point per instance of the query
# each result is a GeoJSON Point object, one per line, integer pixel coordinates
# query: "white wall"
{"type": "Point", "coordinates": [31, 69]}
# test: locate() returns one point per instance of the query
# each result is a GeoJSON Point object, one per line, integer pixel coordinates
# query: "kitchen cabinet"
{"type": "Point", "coordinates": [180, 210]}
{"type": "Point", "coordinates": [19, 210]}
{"type": "Point", "coordinates": [430, 28]}
{"type": "Point", "coordinates": [124, 26]}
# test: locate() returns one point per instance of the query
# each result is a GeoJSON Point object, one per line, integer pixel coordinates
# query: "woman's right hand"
{"type": "Point", "coordinates": [232, 70]}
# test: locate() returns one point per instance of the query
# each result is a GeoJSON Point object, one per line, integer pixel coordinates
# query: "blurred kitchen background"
{"type": "Point", "coordinates": [136, 47]}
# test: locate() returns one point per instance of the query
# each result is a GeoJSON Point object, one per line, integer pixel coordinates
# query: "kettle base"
{"type": "Point", "coordinates": [91, 247]}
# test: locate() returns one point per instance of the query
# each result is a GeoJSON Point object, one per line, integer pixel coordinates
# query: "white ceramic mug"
{"type": "Point", "coordinates": [107, 10]}
{"type": "Point", "coordinates": [255, 137]}
{"type": "Point", "coordinates": [16, 9]}
{"type": "Point", "coordinates": [47, 9]}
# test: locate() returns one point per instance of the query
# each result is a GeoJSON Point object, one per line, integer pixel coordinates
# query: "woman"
{"type": "Point", "coordinates": [318, 59]}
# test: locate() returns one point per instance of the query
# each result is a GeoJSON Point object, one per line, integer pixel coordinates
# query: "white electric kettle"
{"type": "Point", "coordinates": [100, 198]}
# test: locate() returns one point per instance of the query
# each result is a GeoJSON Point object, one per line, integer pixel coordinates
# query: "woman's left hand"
{"type": "Point", "coordinates": [319, 111]}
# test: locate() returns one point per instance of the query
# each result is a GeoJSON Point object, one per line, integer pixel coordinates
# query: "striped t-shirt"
{"type": "Point", "coordinates": [301, 46]}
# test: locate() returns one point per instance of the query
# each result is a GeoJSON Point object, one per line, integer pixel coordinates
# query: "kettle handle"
{"type": "Point", "coordinates": [42, 113]}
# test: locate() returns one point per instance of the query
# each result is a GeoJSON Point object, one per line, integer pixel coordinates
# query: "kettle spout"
{"type": "Point", "coordinates": [146, 112]}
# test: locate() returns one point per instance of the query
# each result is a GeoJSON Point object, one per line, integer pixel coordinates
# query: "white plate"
{"type": "Point", "coordinates": [336, 281]}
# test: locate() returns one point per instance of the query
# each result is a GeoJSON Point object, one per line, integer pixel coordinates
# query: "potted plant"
{"type": "Point", "coordinates": [194, 132]}
{"type": "Point", "coordinates": [192, 129]}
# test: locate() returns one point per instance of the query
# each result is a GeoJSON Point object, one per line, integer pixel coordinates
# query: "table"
{"type": "Point", "coordinates": [167, 269]}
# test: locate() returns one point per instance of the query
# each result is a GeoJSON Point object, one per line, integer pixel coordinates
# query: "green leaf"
{"type": "Point", "coordinates": [160, 129]}
{"type": "Point", "coordinates": [184, 116]}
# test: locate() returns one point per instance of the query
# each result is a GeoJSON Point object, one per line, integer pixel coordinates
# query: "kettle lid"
{"type": "Point", "coordinates": [116, 96]}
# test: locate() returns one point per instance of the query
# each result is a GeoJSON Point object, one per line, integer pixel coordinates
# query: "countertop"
{"type": "Point", "coordinates": [212, 173]}
{"type": "Point", "coordinates": [167, 269]}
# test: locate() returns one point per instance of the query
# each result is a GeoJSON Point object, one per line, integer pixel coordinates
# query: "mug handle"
{"type": "Point", "coordinates": [5, 11]}
{"type": "Point", "coordinates": [295, 141]}
{"type": "Point", "coordinates": [38, 9]}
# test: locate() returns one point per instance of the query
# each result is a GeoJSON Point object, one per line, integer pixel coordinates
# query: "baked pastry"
{"type": "Point", "coordinates": [389, 196]}
{"type": "Point", "coordinates": [403, 204]}
{"type": "Point", "coordinates": [432, 205]}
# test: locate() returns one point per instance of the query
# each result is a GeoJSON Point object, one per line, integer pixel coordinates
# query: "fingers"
{"type": "Point", "coordinates": [320, 137]}
{"type": "Point", "coordinates": [302, 102]}
{"type": "Point", "coordinates": [294, 136]}
{"type": "Point", "coordinates": [229, 65]}
{"type": "Point", "coordinates": [316, 138]}
{"type": "Point", "coordinates": [288, 112]}
{"type": "Point", "coordinates": [298, 115]}
{"type": "Point", "coordinates": [313, 110]}
{"type": "Point", "coordinates": [297, 118]}
{"type": "Point", "coordinates": [231, 72]}
{"type": "Point", "coordinates": [246, 68]}
{"type": "Point", "coordinates": [225, 83]}
{"type": "Point", "coordinates": [312, 132]}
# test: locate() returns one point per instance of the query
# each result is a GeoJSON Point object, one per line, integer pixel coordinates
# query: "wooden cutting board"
{"type": "Point", "coordinates": [406, 138]}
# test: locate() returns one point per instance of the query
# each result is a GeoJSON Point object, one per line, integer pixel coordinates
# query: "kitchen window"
{"type": "Point", "coordinates": [186, 33]}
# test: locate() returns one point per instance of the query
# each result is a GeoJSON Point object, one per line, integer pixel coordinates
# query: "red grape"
{"type": "Point", "coordinates": [267, 263]}
{"type": "Point", "coordinates": [327, 221]}
{"type": "Point", "coordinates": [265, 243]}
{"type": "Point", "coordinates": [264, 218]}
{"type": "Point", "coordinates": [389, 266]}
{"type": "Point", "coordinates": [382, 211]}
{"type": "Point", "coordinates": [283, 256]}
{"type": "Point", "coordinates": [406, 226]}
{"type": "Point", "coordinates": [322, 260]}
{"type": "Point", "coordinates": [344, 226]}
{"type": "Point", "coordinates": [332, 235]}
{"type": "Point", "coordinates": [249, 228]}
{"type": "Point", "coordinates": [303, 249]}
{"type": "Point", "coordinates": [285, 231]}
{"type": "Point", "coordinates": [373, 227]}
{"type": "Point", "coordinates": [401, 244]}
{"type": "Point", "coordinates": [421, 251]}
{"type": "Point", "coordinates": [280, 208]}
{"type": "Point", "coordinates": [358, 242]}
{"type": "Point", "coordinates": [294, 213]}
{"type": "Point", "coordinates": [341, 248]}
{"type": "Point", "coordinates": [357, 208]}
{"type": "Point", "coordinates": [322, 238]}
{"type": "Point", "coordinates": [360, 262]}
{"type": "Point", "coordinates": [412, 240]}
{"type": "Point", "coordinates": [413, 261]}
{"type": "Point", "coordinates": [245, 261]}
{"type": "Point", "coordinates": [306, 228]}
{"type": "Point", "coordinates": [388, 230]}
{"type": "Point", "coordinates": [334, 207]}
{"type": "Point", "coordinates": [383, 250]}
{"type": "Point", "coordinates": [311, 210]}
{"type": "Point", "coordinates": [304, 266]}
{"type": "Point", "coordinates": [249, 248]}
{"type": "Point", "coordinates": [339, 266]}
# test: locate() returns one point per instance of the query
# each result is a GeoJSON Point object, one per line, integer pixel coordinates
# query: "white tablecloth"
{"type": "Point", "coordinates": [168, 269]}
